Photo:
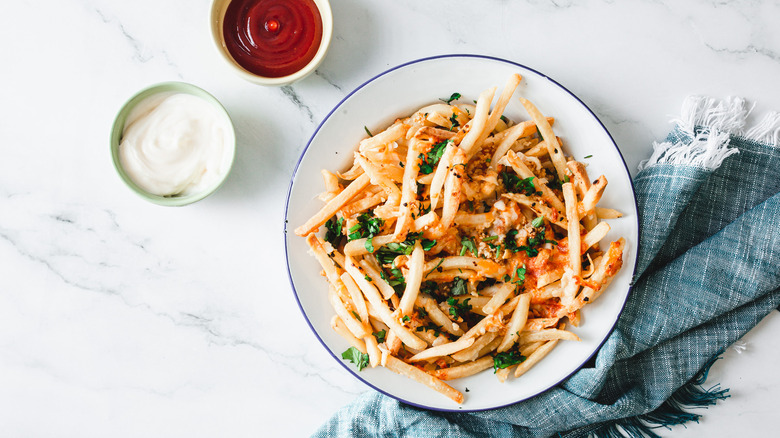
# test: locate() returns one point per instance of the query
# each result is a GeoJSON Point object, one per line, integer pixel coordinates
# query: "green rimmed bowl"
{"type": "Point", "coordinates": [119, 126]}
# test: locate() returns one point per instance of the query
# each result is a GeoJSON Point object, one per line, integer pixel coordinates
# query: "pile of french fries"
{"type": "Point", "coordinates": [448, 248]}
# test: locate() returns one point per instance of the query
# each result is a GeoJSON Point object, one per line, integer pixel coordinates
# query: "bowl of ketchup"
{"type": "Point", "coordinates": [272, 42]}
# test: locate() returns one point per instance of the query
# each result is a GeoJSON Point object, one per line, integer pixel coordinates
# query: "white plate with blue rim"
{"type": "Point", "coordinates": [397, 93]}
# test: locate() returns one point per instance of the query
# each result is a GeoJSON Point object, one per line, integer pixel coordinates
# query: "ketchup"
{"type": "Point", "coordinates": [272, 38]}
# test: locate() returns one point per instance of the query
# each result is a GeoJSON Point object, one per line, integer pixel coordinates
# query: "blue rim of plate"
{"type": "Point", "coordinates": [287, 206]}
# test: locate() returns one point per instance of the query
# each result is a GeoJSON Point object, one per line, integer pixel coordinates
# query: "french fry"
{"type": "Point", "coordinates": [338, 326]}
{"type": "Point", "coordinates": [516, 323]}
{"type": "Point", "coordinates": [413, 279]}
{"type": "Point", "coordinates": [549, 138]}
{"type": "Point", "coordinates": [333, 206]}
{"type": "Point", "coordinates": [357, 328]}
{"type": "Point", "coordinates": [452, 187]}
{"type": "Point", "coordinates": [607, 213]}
{"type": "Point", "coordinates": [595, 235]}
{"type": "Point", "coordinates": [408, 191]}
{"type": "Point", "coordinates": [535, 357]}
{"type": "Point", "coordinates": [391, 134]}
{"type": "Point", "coordinates": [438, 317]}
{"type": "Point", "coordinates": [498, 110]}
{"type": "Point", "coordinates": [464, 370]}
{"type": "Point", "coordinates": [357, 247]}
{"type": "Point", "coordinates": [440, 174]}
{"type": "Point", "coordinates": [478, 122]}
{"type": "Point", "coordinates": [356, 295]}
{"type": "Point", "coordinates": [400, 367]}
{"type": "Point", "coordinates": [499, 298]}
{"type": "Point", "coordinates": [527, 337]}
{"type": "Point", "coordinates": [472, 352]}
{"type": "Point", "coordinates": [443, 349]}
{"type": "Point", "coordinates": [573, 219]}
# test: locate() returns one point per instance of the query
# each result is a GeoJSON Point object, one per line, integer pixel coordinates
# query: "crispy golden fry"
{"type": "Point", "coordinates": [535, 357]}
{"type": "Point", "coordinates": [477, 124]}
{"type": "Point", "coordinates": [607, 213]}
{"type": "Point", "coordinates": [516, 323]}
{"type": "Point", "coordinates": [338, 326]}
{"type": "Point", "coordinates": [548, 137]}
{"type": "Point", "coordinates": [498, 110]}
{"type": "Point", "coordinates": [465, 370]}
{"type": "Point", "coordinates": [333, 206]}
{"type": "Point", "coordinates": [413, 279]}
{"type": "Point", "coordinates": [443, 349]}
{"type": "Point", "coordinates": [400, 367]}
{"type": "Point", "coordinates": [408, 191]}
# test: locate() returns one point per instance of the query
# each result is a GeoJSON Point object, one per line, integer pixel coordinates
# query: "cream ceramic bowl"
{"type": "Point", "coordinates": [218, 8]}
{"type": "Point", "coordinates": [119, 127]}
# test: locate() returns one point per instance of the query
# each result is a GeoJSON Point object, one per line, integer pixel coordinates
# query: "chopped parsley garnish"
{"type": "Point", "coordinates": [430, 326]}
{"type": "Point", "coordinates": [536, 240]}
{"type": "Point", "coordinates": [355, 314]}
{"type": "Point", "coordinates": [588, 156]}
{"type": "Point", "coordinates": [517, 278]}
{"type": "Point", "coordinates": [533, 241]}
{"type": "Point", "coordinates": [507, 359]}
{"type": "Point", "coordinates": [554, 182]}
{"type": "Point", "coordinates": [431, 159]}
{"type": "Point", "coordinates": [504, 119]}
{"type": "Point", "coordinates": [515, 184]}
{"type": "Point", "coordinates": [355, 356]}
{"type": "Point", "coordinates": [380, 336]}
{"type": "Point", "coordinates": [454, 96]}
{"type": "Point", "coordinates": [510, 242]}
{"type": "Point", "coordinates": [467, 245]}
{"type": "Point", "coordinates": [389, 252]}
{"type": "Point", "coordinates": [367, 226]}
{"type": "Point", "coordinates": [454, 121]}
{"type": "Point", "coordinates": [406, 318]}
{"type": "Point", "coordinates": [441, 260]}
{"type": "Point", "coordinates": [459, 308]}
{"type": "Point", "coordinates": [396, 279]}
{"type": "Point", "coordinates": [428, 287]}
{"type": "Point", "coordinates": [333, 233]}
{"type": "Point", "coordinates": [495, 247]}
{"type": "Point", "coordinates": [368, 132]}
{"type": "Point", "coordinates": [539, 133]}
{"type": "Point", "coordinates": [489, 238]}
{"type": "Point", "coordinates": [459, 287]}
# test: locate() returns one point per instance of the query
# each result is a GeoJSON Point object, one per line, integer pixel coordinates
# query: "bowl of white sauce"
{"type": "Point", "coordinates": [173, 143]}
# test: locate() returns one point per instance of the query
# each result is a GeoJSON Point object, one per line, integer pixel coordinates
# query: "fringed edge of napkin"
{"type": "Point", "coordinates": [710, 123]}
{"type": "Point", "coordinates": [674, 411]}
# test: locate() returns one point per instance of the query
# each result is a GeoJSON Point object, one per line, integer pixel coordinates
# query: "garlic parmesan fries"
{"type": "Point", "coordinates": [460, 241]}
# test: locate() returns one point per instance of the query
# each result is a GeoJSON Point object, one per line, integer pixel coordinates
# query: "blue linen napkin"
{"type": "Point", "coordinates": [708, 272]}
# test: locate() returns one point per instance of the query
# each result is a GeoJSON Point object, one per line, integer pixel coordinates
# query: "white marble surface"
{"type": "Point", "coordinates": [120, 318]}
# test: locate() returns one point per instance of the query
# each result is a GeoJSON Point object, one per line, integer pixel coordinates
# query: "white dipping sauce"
{"type": "Point", "coordinates": [176, 144]}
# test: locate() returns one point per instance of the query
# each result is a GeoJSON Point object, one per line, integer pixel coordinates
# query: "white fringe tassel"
{"type": "Point", "coordinates": [767, 130]}
{"type": "Point", "coordinates": [718, 119]}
